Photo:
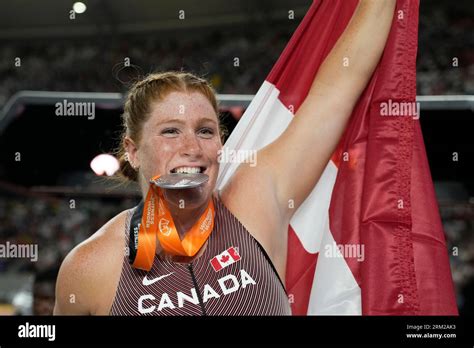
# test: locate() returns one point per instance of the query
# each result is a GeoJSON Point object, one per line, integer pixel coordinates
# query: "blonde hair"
{"type": "Point", "coordinates": [155, 87]}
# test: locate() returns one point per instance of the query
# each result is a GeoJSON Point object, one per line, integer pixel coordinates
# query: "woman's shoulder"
{"type": "Point", "coordinates": [107, 237]}
{"type": "Point", "coordinates": [88, 268]}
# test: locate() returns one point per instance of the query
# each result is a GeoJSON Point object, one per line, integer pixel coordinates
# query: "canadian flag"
{"type": "Point", "coordinates": [376, 192]}
{"type": "Point", "coordinates": [225, 259]}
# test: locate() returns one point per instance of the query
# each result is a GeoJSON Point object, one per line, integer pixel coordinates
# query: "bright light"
{"type": "Point", "coordinates": [22, 299]}
{"type": "Point", "coordinates": [105, 164]}
{"type": "Point", "coordinates": [79, 7]}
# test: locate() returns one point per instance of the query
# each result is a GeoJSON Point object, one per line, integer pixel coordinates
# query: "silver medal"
{"type": "Point", "coordinates": [180, 180]}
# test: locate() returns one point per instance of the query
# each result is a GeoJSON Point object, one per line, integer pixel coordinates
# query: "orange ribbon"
{"type": "Point", "coordinates": [157, 222]}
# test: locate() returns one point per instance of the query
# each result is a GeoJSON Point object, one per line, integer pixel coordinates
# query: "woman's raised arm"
{"type": "Point", "coordinates": [295, 161]}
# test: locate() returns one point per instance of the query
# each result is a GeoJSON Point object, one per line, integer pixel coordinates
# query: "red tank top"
{"type": "Point", "coordinates": [233, 276]}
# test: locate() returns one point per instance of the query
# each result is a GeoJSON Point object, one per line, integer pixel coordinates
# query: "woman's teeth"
{"type": "Point", "coordinates": [187, 170]}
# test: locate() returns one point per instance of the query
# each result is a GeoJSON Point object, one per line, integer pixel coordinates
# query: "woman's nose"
{"type": "Point", "coordinates": [191, 146]}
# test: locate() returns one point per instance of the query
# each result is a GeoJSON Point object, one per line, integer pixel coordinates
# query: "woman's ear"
{"type": "Point", "coordinates": [132, 152]}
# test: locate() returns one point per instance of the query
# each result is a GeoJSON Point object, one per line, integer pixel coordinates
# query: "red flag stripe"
{"type": "Point", "coordinates": [300, 280]}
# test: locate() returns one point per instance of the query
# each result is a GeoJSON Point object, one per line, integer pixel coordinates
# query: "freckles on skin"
{"type": "Point", "coordinates": [158, 151]}
{"type": "Point", "coordinates": [192, 104]}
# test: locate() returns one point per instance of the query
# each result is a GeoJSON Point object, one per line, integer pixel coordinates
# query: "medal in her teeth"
{"type": "Point", "coordinates": [181, 180]}
{"type": "Point", "coordinates": [157, 222]}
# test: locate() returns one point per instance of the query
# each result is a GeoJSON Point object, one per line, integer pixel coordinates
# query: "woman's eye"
{"type": "Point", "coordinates": [169, 131]}
{"type": "Point", "coordinates": [207, 132]}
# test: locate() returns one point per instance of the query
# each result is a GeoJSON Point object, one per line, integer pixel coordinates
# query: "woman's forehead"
{"type": "Point", "coordinates": [189, 104]}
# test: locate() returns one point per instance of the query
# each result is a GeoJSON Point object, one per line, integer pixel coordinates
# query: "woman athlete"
{"type": "Point", "coordinates": [172, 126]}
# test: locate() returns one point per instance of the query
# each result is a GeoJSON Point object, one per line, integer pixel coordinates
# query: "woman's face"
{"type": "Point", "coordinates": [181, 134]}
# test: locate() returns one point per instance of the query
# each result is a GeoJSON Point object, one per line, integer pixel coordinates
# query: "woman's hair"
{"type": "Point", "coordinates": [142, 94]}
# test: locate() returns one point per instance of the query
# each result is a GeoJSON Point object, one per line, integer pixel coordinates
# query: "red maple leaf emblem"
{"type": "Point", "coordinates": [224, 258]}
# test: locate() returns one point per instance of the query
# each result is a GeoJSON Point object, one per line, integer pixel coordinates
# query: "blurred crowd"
{"type": "Point", "coordinates": [445, 62]}
{"type": "Point", "coordinates": [56, 226]}
{"type": "Point", "coordinates": [97, 65]}
{"type": "Point", "coordinates": [234, 62]}
{"type": "Point", "coordinates": [458, 223]}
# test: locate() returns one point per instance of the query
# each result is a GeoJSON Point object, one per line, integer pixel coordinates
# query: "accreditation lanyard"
{"type": "Point", "coordinates": [156, 222]}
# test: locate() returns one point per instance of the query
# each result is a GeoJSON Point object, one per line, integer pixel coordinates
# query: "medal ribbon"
{"type": "Point", "coordinates": [157, 222]}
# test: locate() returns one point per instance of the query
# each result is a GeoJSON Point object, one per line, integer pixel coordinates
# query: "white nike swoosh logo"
{"type": "Point", "coordinates": [147, 281]}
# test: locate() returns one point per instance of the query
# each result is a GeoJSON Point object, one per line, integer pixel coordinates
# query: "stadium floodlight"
{"type": "Point", "coordinates": [105, 164]}
{"type": "Point", "coordinates": [79, 7]}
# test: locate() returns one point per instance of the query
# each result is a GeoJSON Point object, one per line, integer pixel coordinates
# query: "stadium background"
{"type": "Point", "coordinates": [52, 198]}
